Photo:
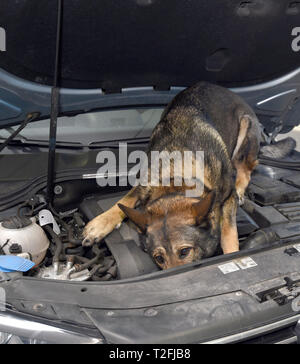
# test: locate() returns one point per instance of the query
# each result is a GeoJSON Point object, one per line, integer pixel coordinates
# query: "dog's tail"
{"type": "Point", "coordinates": [278, 150]}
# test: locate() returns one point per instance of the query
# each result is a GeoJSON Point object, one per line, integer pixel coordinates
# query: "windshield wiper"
{"type": "Point", "coordinates": [43, 143]}
{"type": "Point", "coordinates": [115, 143]}
{"type": "Point", "coordinates": [29, 118]}
{"type": "Point", "coordinates": [21, 141]}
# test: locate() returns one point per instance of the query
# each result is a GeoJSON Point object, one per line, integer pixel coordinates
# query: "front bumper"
{"type": "Point", "coordinates": [17, 330]}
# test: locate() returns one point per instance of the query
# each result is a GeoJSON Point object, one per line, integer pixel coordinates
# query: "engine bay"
{"type": "Point", "coordinates": [51, 237]}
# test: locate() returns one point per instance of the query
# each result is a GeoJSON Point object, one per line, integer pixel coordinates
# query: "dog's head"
{"type": "Point", "coordinates": [175, 231]}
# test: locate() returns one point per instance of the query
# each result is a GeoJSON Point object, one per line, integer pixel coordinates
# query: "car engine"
{"type": "Point", "coordinates": [52, 237]}
{"type": "Point", "coordinates": [52, 240]}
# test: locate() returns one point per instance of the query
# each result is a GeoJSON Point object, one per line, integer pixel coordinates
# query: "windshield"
{"type": "Point", "coordinates": [94, 127]}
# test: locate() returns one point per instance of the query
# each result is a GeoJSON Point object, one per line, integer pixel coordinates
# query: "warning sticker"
{"type": "Point", "coordinates": [228, 268]}
{"type": "Point", "coordinates": [246, 263]}
{"type": "Point", "coordinates": [297, 247]}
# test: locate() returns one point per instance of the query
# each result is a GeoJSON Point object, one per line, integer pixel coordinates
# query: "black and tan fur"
{"type": "Point", "coordinates": [179, 229]}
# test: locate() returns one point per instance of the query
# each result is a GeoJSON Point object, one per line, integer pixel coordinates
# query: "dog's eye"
{"type": "Point", "coordinates": [160, 259]}
{"type": "Point", "coordinates": [184, 252]}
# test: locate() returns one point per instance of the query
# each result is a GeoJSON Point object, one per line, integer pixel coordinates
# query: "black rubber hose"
{"type": "Point", "coordinates": [111, 273]}
{"type": "Point", "coordinates": [259, 239]}
{"type": "Point", "coordinates": [294, 165]}
{"type": "Point", "coordinates": [74, 251]}
{"type": "Point", "coordinates": [80, 223]}
{"type": "Point", "coordinates": [71, 239]}
{"type": "Point", "coordinates": [98, 252]}
{"type": "Point", "coordinates": [81, 259]}
{"type": "Point", "coordinates": [57, 241]}
{"type": "Point", "coordinates": [95, 269]}
{"type": "Point", "coordinates": [108, 264]}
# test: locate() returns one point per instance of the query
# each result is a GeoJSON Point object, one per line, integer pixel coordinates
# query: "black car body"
{"type": "Point", "coordinates": [121, 56]}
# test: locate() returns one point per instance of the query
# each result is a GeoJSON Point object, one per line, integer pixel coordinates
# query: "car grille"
{"type": "Point", "coordinates": [281, 336]}
{"type": "Point", "coordinates": [286, 331]}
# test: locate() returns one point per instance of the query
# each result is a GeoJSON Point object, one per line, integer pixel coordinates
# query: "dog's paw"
{"type": "Point", "coordinates": [99, 228]}
{"type": "Point", "coordinates": [241, 197]}
{"type": "Point", "coordinates": [241, 200]}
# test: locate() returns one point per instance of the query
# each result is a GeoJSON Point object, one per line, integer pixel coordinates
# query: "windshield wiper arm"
{"type": "Point", "coordinates": [43, 143]}
{"type": "Point", "coordinates": [30, 117]}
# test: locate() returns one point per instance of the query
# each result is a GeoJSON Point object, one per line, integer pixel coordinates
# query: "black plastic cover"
{"type": "Point", "coordinates": [268, 191]}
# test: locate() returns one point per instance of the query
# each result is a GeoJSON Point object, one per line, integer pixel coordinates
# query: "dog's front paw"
{"type": "Point", "coordinates": [241, 198]}
{"type": "Point", "coordinates": [99, 228]}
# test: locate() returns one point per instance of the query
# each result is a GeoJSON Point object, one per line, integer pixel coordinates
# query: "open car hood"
{"type": "Point", "coordinates": [109, 47]}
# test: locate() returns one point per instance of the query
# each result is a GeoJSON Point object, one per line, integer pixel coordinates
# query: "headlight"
{"type": "Point", "coordinates": [5, 338]}
{"type": "Point", "coordinates": [12, 339]}
{"type": "Point", "coordinates": [16, 330]}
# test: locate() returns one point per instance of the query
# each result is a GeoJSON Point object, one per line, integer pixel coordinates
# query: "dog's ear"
{"type": "Point", "coordinates": [203, 207]}
{"type": "Point", "coordinates": [140, 219]}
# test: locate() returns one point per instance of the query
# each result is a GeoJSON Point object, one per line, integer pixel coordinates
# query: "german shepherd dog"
{"type": "Point", "coordinates": [180, 229]}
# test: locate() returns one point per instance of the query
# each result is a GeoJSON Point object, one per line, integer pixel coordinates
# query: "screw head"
{"type": "Point", "coordinates": [151, 312]}
{"type": "Point", "coordinates": [58, 190]}
{"type": "Point", "coordinates": [39, 307]}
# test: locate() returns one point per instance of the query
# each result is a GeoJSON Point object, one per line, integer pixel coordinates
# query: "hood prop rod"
{"type": "Point", "coordinates": [54, 109]}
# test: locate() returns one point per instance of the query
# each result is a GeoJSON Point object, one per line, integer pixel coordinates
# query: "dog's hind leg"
{"type": "Point", "coordinates": [229, 234]}
{"type": "Point", "coordinates": [105, 223]}
{"type": "Point", "coordinates": [244, 160]}
{"type": "Point", "coordinates": [243, 176]}
{"type": "Point", "coordinates": [245, 155]}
